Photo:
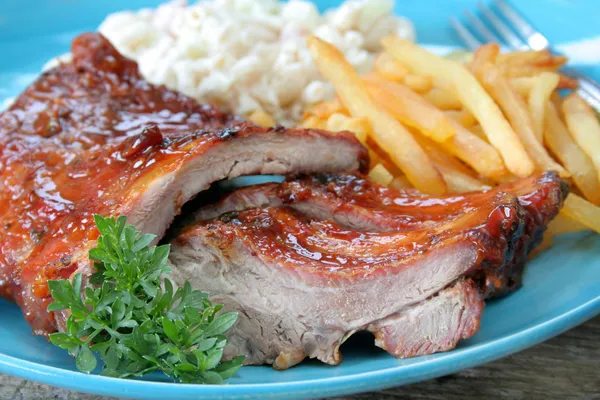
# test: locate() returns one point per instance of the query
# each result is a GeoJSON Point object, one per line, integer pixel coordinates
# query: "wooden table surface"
{"type": "Point", "coordinates": [566, 367]}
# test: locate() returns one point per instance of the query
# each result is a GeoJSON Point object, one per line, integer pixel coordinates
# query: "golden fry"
{"type": "Point", "coordinates": [567, 83]}
{"type": "Point", "coordinates": [458, 177]}
{"type": "Point", "coordinates": [261, 118]}
{"type": "Point", "coordinates": [388, 68]}
{"type": "Point", "coordinates": [314, 122]}
{"type": "Point", "coordinates": [582, 211]}
{"type": "Point", "coordinates": [543, 87]}
{"type": "Point", "coordinates": [484, 55]}
{"type": "Point", "coordinates": [517, 113]}
{"type": "Point", "coordinates": [379, 174]}
{"type": "Point", "coordinates": [464, 117]}
{"type": "Point", "coordinates": [418, 83]}
{"type": "Point", "coordinates": [440, 156]}
{"type": "Point", "coordinates": [458, 182]}
{"type": "Point", "coordinates": [523, 85]}
{"type": "Point", "coordinates": [555, 62]}
{"type": "Point", "coordinates": [516, 71]}
{"type": "Point", "coordinates": [476, 152]}
{"type": "Point", "coordinates": [410, 108]}
{"type": "Point", "coordinates": [388, 133]}
{"type": "Point", "coordinates": [524, 57]}
{"type": "Point", "coordinates": [574, 159]}
{"type": "Point", "coordinates": [456, 78]}
{"type": "Point", "coordinates": [359, 126]}
{"type": "Point", "coordinates": [478, 130]}
{"type": "Point", "coordinates": [562, 223]}
{"type": "Point", "coordinates": [400, 182]}
{"type": "Point", "coordinates": [443, 99]}
{"type": "Point", "coordinates": [583, 125]}
{"type": "Point", "coordinates": [335, 122]}
{"type": "Point", "coordinates": [325, 109]}
{"type": "Point", "coordinates": [559, 225]}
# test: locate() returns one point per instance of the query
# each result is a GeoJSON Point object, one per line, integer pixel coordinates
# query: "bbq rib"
{"type": "Point", "coordinates": [93, 137]}
{"type": "Point", "coordinates": [309, 262]}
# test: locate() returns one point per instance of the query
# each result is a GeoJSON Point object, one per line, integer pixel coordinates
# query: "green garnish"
{"type": "Point", "coordinates": [135, 324]}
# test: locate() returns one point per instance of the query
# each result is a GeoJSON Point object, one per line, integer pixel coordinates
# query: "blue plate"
{"type": "Point", "coordinates": [561, 287]}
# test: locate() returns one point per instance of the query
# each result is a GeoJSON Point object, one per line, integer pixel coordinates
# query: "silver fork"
{"type": "Point", "coordinates": [527, 38]}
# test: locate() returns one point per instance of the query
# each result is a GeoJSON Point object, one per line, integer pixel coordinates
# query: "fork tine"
{"type": "Point", "coordinates": [534, 39]}
{"type": "Point", "coordinates": [467, 37]}
{"type": "Point", "coordinates": [508, 35]}
{"type": "Point", "coordinates": [488, 35]}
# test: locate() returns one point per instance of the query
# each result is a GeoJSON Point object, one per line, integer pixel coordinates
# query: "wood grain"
{"type": "Point", "coordinates": [566, 367]}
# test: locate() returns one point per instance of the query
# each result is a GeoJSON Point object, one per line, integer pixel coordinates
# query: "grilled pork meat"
{"type": "Point", "coordinates": [92, 137]}
{"type": "Point", "coordinates": [356, 203]}
{"type": "Point", "coordinates": [309, 262]}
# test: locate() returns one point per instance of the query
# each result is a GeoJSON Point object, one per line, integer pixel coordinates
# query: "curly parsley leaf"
{"type": "Point", "coordinates": [134, 320]}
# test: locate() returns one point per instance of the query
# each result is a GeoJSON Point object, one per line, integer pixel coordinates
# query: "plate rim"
{"type": "Point", "coordinates": [455, 360]}
{"type": "Point", "coordinates": [452, 361]}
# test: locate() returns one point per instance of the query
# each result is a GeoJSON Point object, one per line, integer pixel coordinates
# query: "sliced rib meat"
{"type": "Point", "coordinates": [356, 203]}
{"type": "Point", "coordinates": [434, 325]}
{"type": "Point", "coordinates": [93, 137]}
{"type": "Point", "coordinates": [304, 280]}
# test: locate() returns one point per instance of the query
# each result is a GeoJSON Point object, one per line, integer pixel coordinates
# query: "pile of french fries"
{"type": "Point", "coordinates": [448, 126]}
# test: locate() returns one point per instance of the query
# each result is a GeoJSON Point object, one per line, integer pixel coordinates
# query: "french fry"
{"type": "Point", "coordinates": [400, 182]}
{"type": "Point", "coordinates": [443, 99]}
{"type": "Point", "coordinates": [562, 223]}
{"type": "Point", "coordinates": [374, 158]}
{"type": "Point", "coordinates": [335, 122]}
{"type": "Point", "coordinates": [543, 87]}
{"type": "Point", "coordinates": [574, 159]}
{"type": "Point", "coordinates": [567, 83]}
{"type": "Point", "coordinates": [456, 78]}
{"type": "Point", "coordinates": [418, 83]}
{"type": "Point", "coordinates": [388, 68]}
{"type": "Point", "coordinates": [478, 130]}
{"type": "Point", "coordinates": [458, 177]}
{"type": "Point", "coordinates": [516, 71]}
{"type": "Point", "coordinates": [440, 156]}
{"type": "Point", "coordinates": [464, 117]}
{"type": "Point", "coordinates": [261, 118]}
{"type": "Point", "coordinates": [458, 182]}
{"type": "Point", "coordinates": [517, 113]}
{"type": "Point", "coordinates": [484, 55]}
{"type": "Point", "coordinates": [359, 126]}
{"type": "Point", "coordinates": [524, 57]}
{"type": "Point", "coordinates": [476, 152]}
{"type": "Point", "coordinates": [314, 122]}
{"type": "Point", "coordinates": [582, 211]}
{"type": "Point", "coordinates": [554, 61]}
{"type": "Point", "coordinates": [379, 174]}
{"type": "Point", "coordinates": [378, 156]}
{"type": "Point", "coordinates": [325, 109]}
{"type": "Point", "coordinates": [583, 125]}
{"type": "Point", "coordinates": [388, 133]}
{"type": "Point", "coordinates": [559, 225]}
{"type": "Point", "coordinates": [410, 108]}
{"type": "Point", "coordinates": [523, 85]}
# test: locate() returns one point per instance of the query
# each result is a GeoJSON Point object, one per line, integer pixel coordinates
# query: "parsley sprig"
{"type": "Point", "coordinates": [135, 324]}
